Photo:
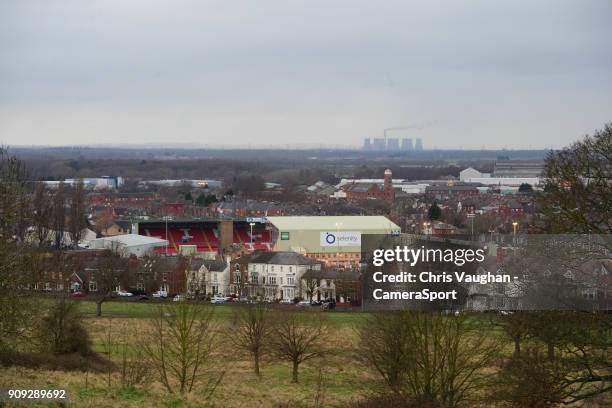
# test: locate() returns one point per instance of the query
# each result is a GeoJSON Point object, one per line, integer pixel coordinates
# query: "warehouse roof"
{"type": "Point", "coordinates": [340, 223]}
{"type": "Point", "coordinates": [129, 240]}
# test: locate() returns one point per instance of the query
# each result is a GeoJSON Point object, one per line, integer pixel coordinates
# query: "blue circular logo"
{"type": "Point", "coordinates": [330, 238]}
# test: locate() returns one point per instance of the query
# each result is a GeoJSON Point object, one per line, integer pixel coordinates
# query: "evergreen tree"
{"type": "Point", "coordinates": [434, 213]}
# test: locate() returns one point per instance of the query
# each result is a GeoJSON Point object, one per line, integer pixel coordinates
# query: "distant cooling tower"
{"type": "Point", "coordinates": [419, 144]}
{"type": "Point", "coordinates": [379, 144]}
{"type": "Point", "coordinates": [393, 144]}
{"type": "Point", "coordinates": [407, 144]}
{"type": "Point", "coordinates": [367, 144]}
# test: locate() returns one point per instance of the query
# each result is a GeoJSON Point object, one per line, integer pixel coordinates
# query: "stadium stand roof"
{"type": "Point", "coordinates": [341, 223]}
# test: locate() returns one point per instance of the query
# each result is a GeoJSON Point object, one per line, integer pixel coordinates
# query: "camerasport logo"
{"type": "Point", "coordinates": [343, 238]}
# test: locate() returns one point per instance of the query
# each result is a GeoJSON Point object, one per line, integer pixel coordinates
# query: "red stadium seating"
{"type": "Point", "coordinates": [206, 237]}
{"type": "Point", "coordinates": [241, 236]}
{"type": "Point", "coordinates": [211, 237]}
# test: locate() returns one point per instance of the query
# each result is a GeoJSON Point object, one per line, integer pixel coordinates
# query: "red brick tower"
{"type": "Point", "coordinates": [388, 191]}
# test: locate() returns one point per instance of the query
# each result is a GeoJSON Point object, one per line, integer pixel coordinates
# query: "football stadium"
{"type": "Point", "coordinates": [208, 235]}
{"type": "Point", "coordinates": [333, 240]}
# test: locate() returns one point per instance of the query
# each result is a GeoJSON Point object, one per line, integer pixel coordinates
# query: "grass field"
{"type": "Point", "coordinates": [223, 312]}
{"type": "Point", "coordinates": [333, 380]}
{"type": "Point", "coordinates": [337, 376]}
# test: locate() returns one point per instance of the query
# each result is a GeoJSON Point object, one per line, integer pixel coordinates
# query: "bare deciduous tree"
{"type": "Point", "coordinates": [180, 345]}
{"type": "Point", "coordinates": [250, 331]}
{"type": "Point", "coordinates": [20, 265]}
{"type": "Point", "coordinates": [566, 360]}
{"type": "Point", "coordinates": [298, 337]}
{"type": "Point", "coordinates": [76, 221]}
{"type": "Point", "coordinates": [59, 216]}
{"type": "Point", "coordinates": [110, 272]}
{"type": "Point", "coordinates": [42, 212]}
{"type": "Point", "coordinates": [427, 357]}
{"type": "Point", "coordinates": [577, 195]}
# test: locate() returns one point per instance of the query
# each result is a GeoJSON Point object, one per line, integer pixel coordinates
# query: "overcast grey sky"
{"type": "Point", "coordinates": [464, 73]}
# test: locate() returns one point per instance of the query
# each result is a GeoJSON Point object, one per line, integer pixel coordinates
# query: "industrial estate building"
{"type": "Point", "coordinates": [332, 240]}
{"type": "Point", "coordinates": [510, 173]}
{"type": "Point", "coordinates": [129, 244]}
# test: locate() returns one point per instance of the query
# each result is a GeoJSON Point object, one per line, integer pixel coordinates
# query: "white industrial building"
{"type": "Point", "coordinates": [128, 244]}
{"type": "Point", "coordinates": [90, 183]}
{"type": "Point", "coordinates": [471, 175]}
{"type": "Point", "coordinates": [408, 187]}
{"type": "Point", "coordinates": [205, 183]}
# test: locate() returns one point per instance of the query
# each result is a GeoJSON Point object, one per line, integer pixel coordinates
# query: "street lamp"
{"type": "Point", "coordinates": [166, 221]}
{"type": "Point", "coordinates": [471, 216]}
{"type": "Point", "coordinates": [426, 227]}
{"type": "Point", "coordinates": [514, 226]}
{"type": "Point", "coordinates": [252, 224]}
{"type": "Point", "coordinates": [338, 224]}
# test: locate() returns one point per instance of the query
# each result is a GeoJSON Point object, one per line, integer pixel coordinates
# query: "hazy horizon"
{"type": "Point", "coordinates": [513, 74]}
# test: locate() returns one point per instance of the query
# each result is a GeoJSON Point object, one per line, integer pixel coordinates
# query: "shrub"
{"type": "Point", "coordinates": [61, 330]}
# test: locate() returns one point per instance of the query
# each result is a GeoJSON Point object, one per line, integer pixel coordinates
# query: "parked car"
{"type": "Point", "coordinates": [160, 294]}
{"type": "Point", "coordinates": [328, 304]}
{"type": "Point", "coordinates": [78, 294]}
{"type": "Point", "coordinates": [178, 298]}
{"type": "Point", "coordinates": [123, 293]}
{"type": "Point", "coordinates": [286, 301]}
{"type": "Point", "coordinates": [303, 303]}
{"type": "Point", "coordinates": [142, 297]}
{"type": "Point", "coordinates": [218, 299]}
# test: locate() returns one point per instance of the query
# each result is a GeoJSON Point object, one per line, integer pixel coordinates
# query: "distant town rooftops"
{"type": "Point", "coordinates": [281, 258]}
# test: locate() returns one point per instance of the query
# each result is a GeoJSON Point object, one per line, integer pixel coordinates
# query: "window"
{"type": "Point", "coordinates": [237, 267]}
{"type": "Point", "coordinates": [93, 286]}
{"type": "Point", "coordinates": [254, 277]}
{"type": "Point", "coordinates": [291, 269]}
{"type": "Point", "coordinates": [272, 280]}
{"type": "Point", "coordinates": [140, 285]}
{"type": "Point", "coordinates": [237, 277]}
{"type": "Point", "coordinates": [290, 280]}
{"type": "Point", "coordinates": [214, 277]}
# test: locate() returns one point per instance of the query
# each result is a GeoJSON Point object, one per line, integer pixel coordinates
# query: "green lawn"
{"type": "Point", "coordinates": [147, 309]}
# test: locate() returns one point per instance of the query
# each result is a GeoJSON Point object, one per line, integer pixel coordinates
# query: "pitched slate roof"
{"type": "Point", "coordinates": [281, 258]}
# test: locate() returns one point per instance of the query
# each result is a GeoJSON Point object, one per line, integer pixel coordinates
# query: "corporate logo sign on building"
{"type": "Point", "coordinates": [342, 238]}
